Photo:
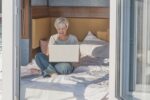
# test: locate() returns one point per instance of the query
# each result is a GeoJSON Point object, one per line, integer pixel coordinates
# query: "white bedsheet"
{"type": "Point", "coordinates": [86, 83]}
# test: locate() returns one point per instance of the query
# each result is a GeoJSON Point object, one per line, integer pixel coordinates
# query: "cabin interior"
{"type": "Point", "coordinates": [38, 23]}
{"type": "Point", "coordinates": [37, 18]}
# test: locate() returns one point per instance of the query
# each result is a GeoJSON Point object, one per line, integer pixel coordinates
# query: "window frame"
{"type": "Point", "coordinates": [114, 51]}
{"type": "Point", "coordinates": [10, 55]}
{"type": "Point", "coordinates": [125, 93]}
{"type": "Point", "coordinates": [11, 13]}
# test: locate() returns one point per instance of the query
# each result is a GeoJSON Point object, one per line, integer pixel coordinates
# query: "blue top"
{"type": "Point", "coordinates": [55, 40]}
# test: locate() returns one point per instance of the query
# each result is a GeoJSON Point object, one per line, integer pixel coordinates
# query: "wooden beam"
{"type": "Point", "coordinates": [77, 12]}
{"type": "Point", "coordinates": [40, 11]}
{"type": "Point", "coordinates": [80, 12]}
{"type": "Point", "coordinates": [25, 19]}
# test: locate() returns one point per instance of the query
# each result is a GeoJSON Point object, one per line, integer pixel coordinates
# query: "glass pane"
{"type": "Point", "coordinates": [0, 48]}
{"type": "Point", "coordinates": [0, 34]}
{"type": "Point", "coordinates": [140, 47]}
{"type": "Point", "coordinates": [0, 58]}
{"type": "Point", "coordinates": [38, 77]}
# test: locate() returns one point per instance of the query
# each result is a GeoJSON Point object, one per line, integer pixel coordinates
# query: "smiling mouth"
{"type": "Point", "coordinates": [61, 33]}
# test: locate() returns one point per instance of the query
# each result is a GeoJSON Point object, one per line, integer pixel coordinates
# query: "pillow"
{"type": "Point", "coordinates": [44, 45]}
{"type": "Point", "coordinates": [87, 49]}
{"type": "Point", "coordinates": [92, 46]}
{"type": "Point", "coordinates": [89, 61]}
{"type": "Point", "coordinates": [101, 51]}
{"type": "Point", "coordinates": [94, 50]}
{"type": "Point", "coordinates": [90, 36]}
{"type": "Point", "coordinates": [103, 35]}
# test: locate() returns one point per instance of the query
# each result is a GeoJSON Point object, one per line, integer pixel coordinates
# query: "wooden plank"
{"type": "Point", "coordinates": [25, 19]}
{"type": "Point", "coordinates": [76, 12]}
{"type": "Point", "coordinates": [40, 11]}
{"type": "Point", "coordinates": [80, 12]}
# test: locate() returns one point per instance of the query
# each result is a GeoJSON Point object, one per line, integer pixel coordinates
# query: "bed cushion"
{"type": "Point", "coordinates": [103, 35]}
{"type": "Point", "coordinates": [94, 47]}
{"type": "Point", "coordinates": [101, 51]}
{"type": "Point", "coordinates": [90, 36]}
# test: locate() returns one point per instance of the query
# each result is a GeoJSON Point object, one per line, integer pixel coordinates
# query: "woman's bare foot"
{"type": "Point", "coordinates": [54, 75]}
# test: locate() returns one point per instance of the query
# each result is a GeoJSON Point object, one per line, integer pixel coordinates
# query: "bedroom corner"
{"type": "Point", "coordinates": [89, 22]}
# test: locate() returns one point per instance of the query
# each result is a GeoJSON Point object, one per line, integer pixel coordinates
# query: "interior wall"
{"type": "Point", "coordinates": [40, 30]}
{"type": "Point", "coordinates": [78, 26]}
{"type": "Point", "coordinates": [79, 12]}
{"type": "Point", "coordinates": [38, 2]}
{"type": "Point", "coordinates": [81, 26]}
{"type": "Point", "coordinates": [85, 3]}
{"type": "Point", "coordinates": [89, 3]}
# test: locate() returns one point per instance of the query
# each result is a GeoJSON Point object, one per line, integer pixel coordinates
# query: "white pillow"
{"type": "Point", "coordinates": [87, 49]}
{"type": "Point", "coordinates": [92, 39]}
{"type": "Point", "coordinates": [94, 47]}
{"type": "Point", "coordinates": [30, 69]}
{"type": "Point", "coordinates": [90, 36]}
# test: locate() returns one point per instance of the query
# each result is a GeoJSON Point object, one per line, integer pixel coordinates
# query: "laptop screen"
{"type": "Point", "coordinates": [63, 53]}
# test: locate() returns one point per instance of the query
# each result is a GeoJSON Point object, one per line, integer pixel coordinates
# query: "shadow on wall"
{"type": "Point", "coordinates": [101, 51]}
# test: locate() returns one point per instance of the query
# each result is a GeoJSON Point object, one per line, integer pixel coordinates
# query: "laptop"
{"type": "Point", "coordinates": [63, 53]}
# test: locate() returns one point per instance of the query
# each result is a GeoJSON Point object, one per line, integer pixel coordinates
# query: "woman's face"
{"type": "Point", "coordinates": [62, 29]}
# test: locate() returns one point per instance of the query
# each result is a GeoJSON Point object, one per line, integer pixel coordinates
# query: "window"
{"type": "Point", "coordinates": [0, 46]}
{"type": "Point", "coordinates": [0, 55]}
{"type": "Point", "coordinates": [140, 48]}
{"type": "Point", "coordinates": [137, 43]}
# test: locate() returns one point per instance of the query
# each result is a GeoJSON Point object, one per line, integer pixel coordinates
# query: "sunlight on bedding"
{"type": "Point", "coordinates": [89, 81]}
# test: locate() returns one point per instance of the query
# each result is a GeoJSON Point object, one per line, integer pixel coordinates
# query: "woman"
{"type": "Point", "coordinates": [61, 37]}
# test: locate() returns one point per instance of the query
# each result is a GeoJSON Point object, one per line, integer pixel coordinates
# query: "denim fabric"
{"type": "Point", "coordinates": [48, 68]}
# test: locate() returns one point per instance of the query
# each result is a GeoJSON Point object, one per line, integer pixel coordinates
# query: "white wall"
{"type": "Point", "coordinates": [38, 2]}
{"type": "Point", "coordinates": [95, 3]}
{"type": "Point", "coordinates": [100, 3]}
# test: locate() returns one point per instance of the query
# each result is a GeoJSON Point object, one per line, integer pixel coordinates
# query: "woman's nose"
{"type": "Point", "coordinates": [60, 29]}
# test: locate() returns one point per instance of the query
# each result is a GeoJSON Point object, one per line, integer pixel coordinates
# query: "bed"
{"type": "Point", "coordinates": [89, 81]}
{"type": "Point", "coordinates": [86, 83]}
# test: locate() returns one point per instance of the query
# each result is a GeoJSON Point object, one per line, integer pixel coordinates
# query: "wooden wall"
{"type": "Point", "coordinates": [40, 11]}
{"type": "Point", "coordinates": [29, 13]}
{"type": "Point", "coordinates": [81, 26]}
{"type": "Point", "coordinates": [25, 19]}
{"type": "Point", "coordinates": [80, 12]}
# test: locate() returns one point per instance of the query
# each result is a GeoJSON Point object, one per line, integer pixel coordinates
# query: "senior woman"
{"type": "Point", "coordinates": [61, 37]}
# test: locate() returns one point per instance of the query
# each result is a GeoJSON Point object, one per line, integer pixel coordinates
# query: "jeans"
{"type": "Point", "coordinates": [49, 68]}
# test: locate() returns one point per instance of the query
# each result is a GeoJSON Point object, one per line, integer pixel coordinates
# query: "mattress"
{"type": "Point", "coordinates": [85, 83]}
{"type": "Point", "coordinates": [89, 81]}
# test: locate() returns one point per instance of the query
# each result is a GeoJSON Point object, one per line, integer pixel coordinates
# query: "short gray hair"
{"type": "Point", "coordinates": [61, 20]}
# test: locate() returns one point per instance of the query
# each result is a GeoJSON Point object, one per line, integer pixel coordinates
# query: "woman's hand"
{"type": "Point", "coordinates": [47, 52]}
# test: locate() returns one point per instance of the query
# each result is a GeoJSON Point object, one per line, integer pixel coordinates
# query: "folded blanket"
{"type": "Point", "coordinates": [30, 69]}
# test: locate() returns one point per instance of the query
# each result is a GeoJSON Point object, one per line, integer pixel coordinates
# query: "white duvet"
{"type": "Point", "coordinates": [86, 83]}
{"type": "Point", "coordinates": [89, 81]}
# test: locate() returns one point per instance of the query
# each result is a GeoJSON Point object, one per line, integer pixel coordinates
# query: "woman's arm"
{"type": "Point", "coordinates": [51, 42]}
